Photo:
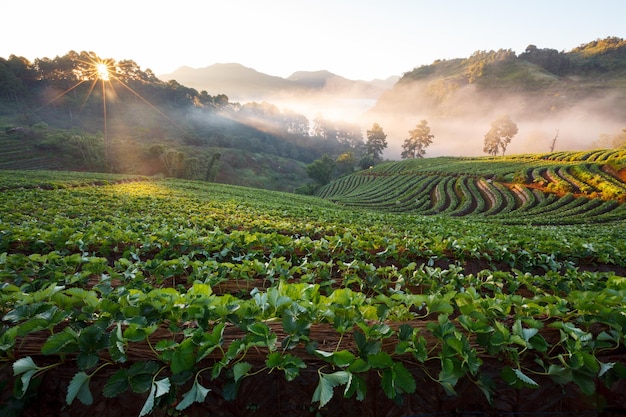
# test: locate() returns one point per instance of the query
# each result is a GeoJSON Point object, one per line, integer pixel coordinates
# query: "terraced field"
{"type": "Point", "coordinates": [557, 188]}
{"type": "Point", "coordinates": [21, 153]}
{"type": "Point", "coordinates": [125, 295]}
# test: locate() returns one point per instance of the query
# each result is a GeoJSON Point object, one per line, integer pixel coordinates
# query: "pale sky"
{"type": "Point", "coordinates": [357, 39]}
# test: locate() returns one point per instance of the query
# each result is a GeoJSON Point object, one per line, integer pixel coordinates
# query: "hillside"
{"type": "Point", "coordinates": [556, 188]}
{"type": "Point", "coordinates": [58, 113]}
{"type": "Point", "coordinates": [580, 93]}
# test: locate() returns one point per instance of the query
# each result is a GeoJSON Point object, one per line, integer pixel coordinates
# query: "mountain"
{"type": "Point", "coordinates": [243, 84]}
{"type": "Point", "coordinates": [234, 80]}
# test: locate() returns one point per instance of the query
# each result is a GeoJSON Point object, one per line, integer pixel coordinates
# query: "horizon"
{"type": "Point", "coordinates": [356, 40]}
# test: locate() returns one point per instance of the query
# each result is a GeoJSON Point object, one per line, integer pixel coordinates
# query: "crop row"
{"type": "Point", "coordinates": [168, 285]}
{"type": "Point", "coordinates": [467, 195]}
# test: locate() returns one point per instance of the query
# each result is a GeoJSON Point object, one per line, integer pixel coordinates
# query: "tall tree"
{"type": "Point", "coordinates": [499, 136]}
{"type": "Point", "coordinates": [417, 142]}
{"type": "Point", "coordinates": [376, 142]}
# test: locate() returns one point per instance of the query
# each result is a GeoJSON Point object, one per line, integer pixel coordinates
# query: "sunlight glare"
{"type": "Point", "coordinates": [102, 71]}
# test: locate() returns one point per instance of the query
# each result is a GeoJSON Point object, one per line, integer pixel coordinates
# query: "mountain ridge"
{"type": "Point", "coordinates": [242, 83]}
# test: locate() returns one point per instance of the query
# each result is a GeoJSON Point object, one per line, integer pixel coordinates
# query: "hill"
{"type": "Point", "coordinates": [245, 84]}
{"type": "Point", "coordinates": [555, 188]}
{"type": "Point", "coordinates": [58, 113]}
{"type": "Point", "coordinates": [238, 82]}
{"type": "Point", "coordinates": [580, 93]}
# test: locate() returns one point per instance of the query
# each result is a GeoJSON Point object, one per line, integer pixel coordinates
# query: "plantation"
{"type": "Point", "coordinates": [421, 286]}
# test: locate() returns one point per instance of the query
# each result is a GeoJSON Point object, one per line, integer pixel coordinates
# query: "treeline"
{"type": "Point", "coordinates": [598, 56]}
{"type": "Point", "coordinates": [96, 114]}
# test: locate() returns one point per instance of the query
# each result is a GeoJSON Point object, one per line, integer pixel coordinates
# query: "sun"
{"type": "Point", "coordinates": [102, 70]}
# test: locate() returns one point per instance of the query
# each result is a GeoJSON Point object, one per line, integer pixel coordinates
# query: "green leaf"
{"type": "Point", "coordinates": [197, 393]}
{"type": "Point", "coordinates": [560, 374]}
{"type": "Point", "coordinates": [183, 357]}
{"type": "Point", "coordinates": [324, 390]}
{"type": "Point", "coordinates": [524, 378]}
{"type": "Point", "coordinates": [605, 367]}
{"type": "Point", "coordinates": [140, 375]}
{"type": "Point", "coordinates": [79, 387]}
{"type": "Point", "coordinates": [397, 380]}
{"type": "Point", "coordinates": [359, 365]}
{"type": "Point", "coordinates": [25, 380]}
{"type": "Point", "coordinates": [23, 365]}
{"type": "Point", "coordinates": [27, 368]}
{"type": "Point", "coordinates": [449, 375]}
{"type": "Point", "coordinates": [379, 360]}
{"type": "Point", "coordinates": [65, 341]}
{"type": "Point", "coordinates": [584, 382]}
{"type": "Point", "coordinates": [86, 360]}
{"type": "Point", "coordinates": [356, 385]}
{"type": "Point", "coordinates": [116, 384]}
{"type": "Point", "coordinates": [158, 389]}
{"type": "Point", "coordinates": [138, 332]}
{"type": "Point", "coordinates": [405, 331]}
{"type": "Point", "coordinates": [241, 369]}
{"type": "Point", "coordinates": [149, 404]}
{"type": "Point", "coordinates": [404, 380]}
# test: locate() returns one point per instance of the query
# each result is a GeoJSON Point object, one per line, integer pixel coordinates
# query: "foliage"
{"type": "Point", "coordinates": [417, 142]}
{"type": "Point", "coordinates": [322, 169]}
{"type": "Point", "coordinates": [105, 270]}
{"type": "Point", "coordinates": [499, 135]}
{"type": "Point", "coordinates": [376, 142]}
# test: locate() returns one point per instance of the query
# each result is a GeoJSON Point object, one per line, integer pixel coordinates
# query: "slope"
{"type": "Point", "coordinates": [557, 188]}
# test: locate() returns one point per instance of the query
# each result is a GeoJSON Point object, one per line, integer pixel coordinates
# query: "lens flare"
{"type": "Point", "coordinates": [102, 70]}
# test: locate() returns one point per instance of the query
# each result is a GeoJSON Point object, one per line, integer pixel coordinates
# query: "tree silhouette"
{"type": "Point", "coordinates": [417, 142]}
{"type": "Point", "coordinates": [376, 142]}
{"type": "Point", "coordinates": [499, 136]}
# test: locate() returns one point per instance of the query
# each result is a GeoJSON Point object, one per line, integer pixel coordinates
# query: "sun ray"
{"type": "Point", "coordinates": [102, 70]}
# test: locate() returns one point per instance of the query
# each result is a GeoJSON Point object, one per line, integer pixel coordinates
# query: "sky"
{"type": "Point", "coordinates": [357, 39]}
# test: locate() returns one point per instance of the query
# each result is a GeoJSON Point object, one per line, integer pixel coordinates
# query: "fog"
{"type": "Point", "coordinates": [460, 119]}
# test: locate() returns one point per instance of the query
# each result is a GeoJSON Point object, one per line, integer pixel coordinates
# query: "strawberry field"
{"type": "Point", "coordinates": [138, 296]}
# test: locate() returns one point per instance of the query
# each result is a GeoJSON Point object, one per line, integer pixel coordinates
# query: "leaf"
{"type": "Point", "coordinates": [25, 379]}
{"type": "Point", "coordinates": [61, 342]}
{"type": "Point", "coordinates": [356, 385]}
{"type": "Point", "coordinates": [86, 360]}
{"type": "Point", "coordinates": [140, 375]}
{"type": "Point", "coordinates": [183, 358]}
{"type": "Point", "coordinates": [379, 360]}
{"type": "Point", "coordinates": [23, 365]}
{"type": "Point", "coordinates": [158, 389]}
{"type": "Point", "coordinates": [27, 368]}
{"type": "Point", "coordinates": [404, 380]}
{"type": "Point", "coordinates": [197, 393]}
{"type": "Point", "coordinates": [605, 367]}
{"type": "Point", "coordinates": [324, 390]}
{"type": "Point", "coordinates": [79, 387]}
{"type": "Point", "coordinates": [116, 384]}
{"type": "Point", "coordinates": [241, 369]}
{"type": "Point", "coordinates": [149, 404]}
{"type": "Point", "coordinates": [524, 378]}
{"type": "Point", "coordinates": [343, 358]}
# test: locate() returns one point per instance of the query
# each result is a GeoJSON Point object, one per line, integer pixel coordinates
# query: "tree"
{"type": "Point", "coordinates": [321, 170]}
{"type": "Point", "coordinates": [376, 142]}
{"type": "Point", "coordinates": [417, 142]}
{"type": "Point", "coordinates": [345, 163]}
{"type": "Point", "coordinates": [499, 136]}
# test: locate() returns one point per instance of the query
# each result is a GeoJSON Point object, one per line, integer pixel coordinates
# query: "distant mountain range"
{"type": "Point", "coordinates": [243, 84]}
